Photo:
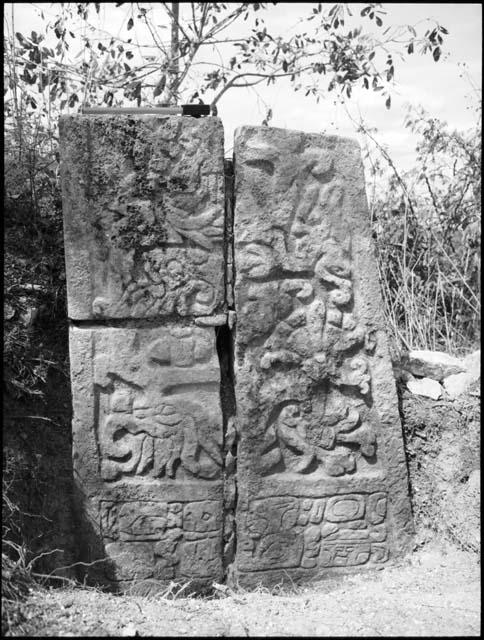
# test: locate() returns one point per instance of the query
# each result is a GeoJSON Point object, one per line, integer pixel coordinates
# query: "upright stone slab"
{"type": "Point", "coordinates": [321, 472]}
{"type": "Point", "coordinates": [143, 214]}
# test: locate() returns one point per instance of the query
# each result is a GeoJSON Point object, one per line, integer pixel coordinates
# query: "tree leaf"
{"type": "Point", "coordinates": [160, 86]}
{"type": "Point", "coordinates": [108, 98]}
{"type": "Point", "coordinates": [130, 23]}
{"type": "Point", "coordinates": [388, 102]}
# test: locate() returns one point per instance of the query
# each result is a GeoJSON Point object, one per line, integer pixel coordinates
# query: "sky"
{"type": "Point", "coordinates": [438, 87]}
{"type": "Point", "coordinates": [446, 89]}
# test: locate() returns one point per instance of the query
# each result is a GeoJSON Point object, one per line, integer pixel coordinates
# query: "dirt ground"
{"type": "Point", "coordinates": [435, 592]}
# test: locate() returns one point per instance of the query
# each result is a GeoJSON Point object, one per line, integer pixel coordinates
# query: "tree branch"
{"type": "Point", "coordinates": [177, 21]}
{"type": "Point", "coordinates": [263, 76]}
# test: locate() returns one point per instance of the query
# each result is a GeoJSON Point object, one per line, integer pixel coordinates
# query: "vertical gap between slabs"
{"type": "Point", "coordinates": [225, 351]}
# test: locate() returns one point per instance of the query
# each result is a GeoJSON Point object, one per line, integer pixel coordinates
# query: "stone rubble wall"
{"type": "Point", "coordinates": [436, 374]}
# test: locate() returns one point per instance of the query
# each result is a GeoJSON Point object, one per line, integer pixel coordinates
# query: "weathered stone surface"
{"type": "Point", "coordinates": [457, 384]}
{"type": "Point", "coordinates": [432, 364]}
{"type": "Point", "coordinates": [425, 387]}
{"type": "Point", "coordinates": [147, 443]}
{"type": "Point", "coordinates": [322, 481]}
{"type": "Point", "coordinates": [472, 363]}
{"type": "Point", "coordinates": [143, 201]}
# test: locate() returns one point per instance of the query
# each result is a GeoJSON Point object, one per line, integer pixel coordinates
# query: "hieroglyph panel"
{"type": "Point", "coordinates": [162, 540]}
{"type": "Point", "coordinates": [287, 532]}
{"type": "Point", "coordinates": [143, 200]}
{"type": "Point", "coordinates": [147, 447]}
{"type": "Point", "coordinates": [317, 411]}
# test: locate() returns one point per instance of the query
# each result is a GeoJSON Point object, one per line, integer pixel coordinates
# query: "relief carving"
{"type": "Point", "coordinates": [335, 531]}
{"type": "Point", "coordinates": [177, 490]}
{"type": "Point", "coordinates": [298, 325]}
{"type": "Point", "coordinates": [145, 223]}
{"type": "Point", "coordinates": [154, 441]}
{"type": "Point", "coordinates": [158, 403]}
{"type": "Point", "coordinates": [314, 334]}
{"type": "Point", "coordinates": [303, 359]}
{"type": "Point", "coordinates": [162, 540]}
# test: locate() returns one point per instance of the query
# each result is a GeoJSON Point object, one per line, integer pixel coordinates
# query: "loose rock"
{"type": "Point", "coordinates": [425, 387]}
{"type": "Point", "coordinates": [432, 364]}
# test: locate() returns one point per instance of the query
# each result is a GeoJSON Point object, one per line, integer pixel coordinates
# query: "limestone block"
{"type": "Point", "coordinates": [472, 363]}
{"type": "Point", "coordinates": [322, 481]}
{"type": "Point", "coordinates": [425, 387]}
{"type": "Point", "coordinates": [459, 383]}
{"type": "Point", "coordinates": [143, 200]}
{"type": "Point", "coordinates": [147, 448]}
{"type": "Point", "coordinates": [456, 384]}
{"type": "Point", "coordinates": [432, 364]}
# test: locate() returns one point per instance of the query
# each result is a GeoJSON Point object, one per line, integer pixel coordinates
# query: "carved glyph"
{"type": "Point", "coordinates": [290, 532]}
{"type": "Point", "coordinates": [162, 540]}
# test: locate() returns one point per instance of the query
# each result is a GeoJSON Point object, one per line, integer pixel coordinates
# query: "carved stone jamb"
{"type": "Point", "coordinates": [143, 200]}
{"type": "Point", "coordinates": [321, 471]}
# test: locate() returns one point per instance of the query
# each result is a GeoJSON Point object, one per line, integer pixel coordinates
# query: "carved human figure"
{"type": "Point", "coordinates": [141, 436]}
{"type": "Point", "coordinates": [298, 337]}
{"type": "Point", "coordinates": [288, 429]}
{"type": "Point", "coordinates": [291, 430]}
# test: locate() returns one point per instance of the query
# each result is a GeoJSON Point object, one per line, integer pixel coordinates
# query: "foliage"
{"type": "Point", "coordinates": [34, 294]}
{"type": "Point", "coordinates": [427, 228]}
{"type": "Point", "coordinates": [322, 56]}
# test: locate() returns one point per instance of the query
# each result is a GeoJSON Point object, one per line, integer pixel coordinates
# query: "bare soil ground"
{"type": "Point", "coordinates": [435, 592]}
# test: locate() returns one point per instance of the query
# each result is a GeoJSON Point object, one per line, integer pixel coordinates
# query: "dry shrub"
{"type": "Point", "coordinates": [426, 223]}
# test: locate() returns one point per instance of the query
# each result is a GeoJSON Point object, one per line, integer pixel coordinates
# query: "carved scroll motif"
{"type": "Point", "coordinates": [144, 215]}
{"type": "Point", "coordinates": [317, 339]}
{"type": "Point", "coordinates": [298, 326]}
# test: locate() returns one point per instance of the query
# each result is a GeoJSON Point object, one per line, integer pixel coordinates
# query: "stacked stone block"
{"type": "Point", "coordinates": [144, 234]}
